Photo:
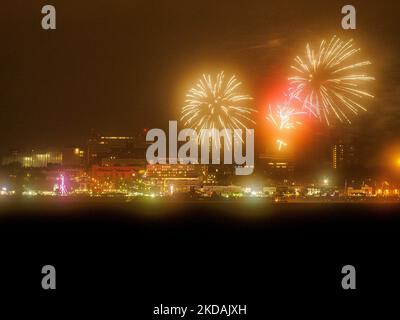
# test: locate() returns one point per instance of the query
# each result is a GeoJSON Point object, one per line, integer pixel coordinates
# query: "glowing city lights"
{"type": "Point", "coordinates": [61, 186]}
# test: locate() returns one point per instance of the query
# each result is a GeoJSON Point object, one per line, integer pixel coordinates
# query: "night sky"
{"type": "Point", "coordinates": [120, 66]}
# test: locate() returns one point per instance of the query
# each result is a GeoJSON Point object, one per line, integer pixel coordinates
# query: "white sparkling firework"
{"type": "Point", "coordinates": [216, 103]}
{"type": "Point", "coordinates": [328, 82]}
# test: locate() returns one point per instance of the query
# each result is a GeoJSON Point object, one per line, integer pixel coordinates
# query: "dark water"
{"type": "Point", "coordinates": [120, 256]}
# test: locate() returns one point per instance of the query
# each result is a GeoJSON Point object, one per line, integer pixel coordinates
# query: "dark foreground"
{"type": "Point", "coordinates": [121, 258]}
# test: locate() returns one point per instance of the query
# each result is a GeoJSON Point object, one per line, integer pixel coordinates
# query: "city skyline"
{"type": "Point", "coordinates": [112, 80]}
{"type": "Point", "coordinates": [175, 156]}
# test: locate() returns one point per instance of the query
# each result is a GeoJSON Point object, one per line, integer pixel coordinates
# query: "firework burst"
{"type": "Point", "coordinates": [216, 103]}
{"type": "Point", "coordinates": [284, 117]}
{"type": "Point", "coordinates": [328, 81]}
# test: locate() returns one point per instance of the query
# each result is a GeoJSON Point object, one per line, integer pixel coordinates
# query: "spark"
{"type": "Point", "coordinates": [281, 144]}
{"type": "Point", "coordinates": [282, 117]}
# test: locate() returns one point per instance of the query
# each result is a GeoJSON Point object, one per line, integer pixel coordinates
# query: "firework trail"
{"type": "Point", "coordinates": [284, 117]}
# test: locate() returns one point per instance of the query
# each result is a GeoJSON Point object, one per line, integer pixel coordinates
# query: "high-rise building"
{"type": "Point", "coordinates": [338, 151]}
{"type": "Point", "coordinates": [343, 156]}
{"type": "Point", "coordinates": [123, 147]}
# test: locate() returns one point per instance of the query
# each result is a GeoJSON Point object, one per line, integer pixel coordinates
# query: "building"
{"type": "Point", "coordinates": [138, 164]}
{"type": "Point", "coordinates": [338, 156]}
{"type": "Point", "coordinates": [218, 174]}
{"type": "Point", "coordinates": [119, 147]}
{"type": "Point", "coordinates": [170, 178]}
{"type": "Point", "coordinates": [113, 173]}
{"type": "Point", "coordinates": [73, 157]}
{"type": "Point", "coordinates": [277, 167]}
{"type": "Point", "coordinates": [343, 156]}
{"type": "Point", "coordinates": [33, 158]}
{"type": "Point", "coordinates": [365, 190]}
{"type": "Point", "coordinates": [230, 190]}
{"type": "Point", "coordinates": [67, 157]}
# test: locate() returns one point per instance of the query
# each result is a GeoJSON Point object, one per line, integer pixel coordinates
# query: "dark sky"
{"type": "Point", "coordinates": [117, 66]}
